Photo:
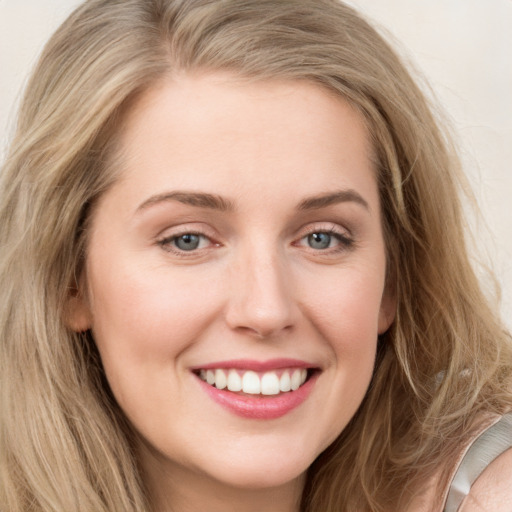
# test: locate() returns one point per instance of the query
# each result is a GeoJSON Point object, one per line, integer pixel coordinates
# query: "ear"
{"type": "Point", "coordinates": [77, 314]}
{"type": "Point", "coordinates": [387, 310]}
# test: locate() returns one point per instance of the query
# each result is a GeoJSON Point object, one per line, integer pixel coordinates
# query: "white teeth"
{"type": "Point", "coordinates": [220, 379]}
{"type": "Point", "coordinates": [251, 383]}
{"type": "Point", "coordinates": [268, 383]}
{"type": "Point", "coordinates": [295, 380]}
{"type": "Point", "coordinates": [234, 381]}
{"type": "Point", "coordinates": [285, 382]}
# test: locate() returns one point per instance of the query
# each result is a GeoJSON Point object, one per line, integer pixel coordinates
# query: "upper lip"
{"type": "Point", "coordinates": [255, 365]}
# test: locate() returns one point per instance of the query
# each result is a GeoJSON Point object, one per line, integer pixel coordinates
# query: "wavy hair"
{"type": "Point", "coordinates": [64, 444]}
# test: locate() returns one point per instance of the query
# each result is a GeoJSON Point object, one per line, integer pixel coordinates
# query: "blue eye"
{"type": "Point", "coordinates": [187, 242]}
{"type": "Point", "coordinates": [326, 241]}
{"type": "Point", "coordinates": [319, 240]}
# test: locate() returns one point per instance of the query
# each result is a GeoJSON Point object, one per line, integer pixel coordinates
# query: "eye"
{"type": "Point", "coordinates": [185, 242]}
{"type": "Point", "coordinates": [321, 240]}
{"type": "Point", "coordinates": [329, 241]}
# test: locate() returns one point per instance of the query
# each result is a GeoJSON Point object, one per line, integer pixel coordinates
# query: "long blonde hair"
{"type": "Point", "coordinates": [64, 444]}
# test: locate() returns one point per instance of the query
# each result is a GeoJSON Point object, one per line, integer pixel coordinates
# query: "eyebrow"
{"type": "Point", "coordinates": [198, 199]}
{"type": "Point", "coordinates": [324, 200]}
{"type": "Point", "coordinates": [216, 202]}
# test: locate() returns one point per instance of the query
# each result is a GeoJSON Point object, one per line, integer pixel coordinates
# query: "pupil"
{"type": "Point", "coordinates": [187, 242]}
{"type": "Point", "coordinates": [319, 240]}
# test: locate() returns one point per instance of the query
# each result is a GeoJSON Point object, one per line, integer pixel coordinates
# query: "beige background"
{"type": "Point", "coordinates": [463, 47]}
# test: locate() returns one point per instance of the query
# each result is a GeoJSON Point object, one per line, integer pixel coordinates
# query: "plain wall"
{"type": "Point", "coordinates": [463, 47]}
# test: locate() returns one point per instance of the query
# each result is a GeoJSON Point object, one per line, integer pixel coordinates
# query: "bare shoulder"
{"type": "Point", "coordinates": [492, 491]}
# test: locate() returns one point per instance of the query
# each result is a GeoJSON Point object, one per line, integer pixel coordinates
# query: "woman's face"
{"type": "Point", "coordinates": [241, 247]}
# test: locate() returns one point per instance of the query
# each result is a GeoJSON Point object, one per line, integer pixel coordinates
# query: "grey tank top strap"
{"type": "Point", "coordinates": [488, 446]}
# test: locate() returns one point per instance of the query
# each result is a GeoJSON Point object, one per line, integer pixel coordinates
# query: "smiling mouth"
{"type": "Point", "coordinates": [250, 382]}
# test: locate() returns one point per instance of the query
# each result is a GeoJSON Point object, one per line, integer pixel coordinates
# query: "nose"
{"type": "Point", "coordinates": [261, 301]}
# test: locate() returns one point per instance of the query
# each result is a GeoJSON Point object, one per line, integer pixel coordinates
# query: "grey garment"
{"type": "Point", "coordinates": [490, 444]}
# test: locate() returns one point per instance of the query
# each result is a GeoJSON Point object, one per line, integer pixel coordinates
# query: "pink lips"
{"type": "Point", "coordinates": [256, 366]}
{"type": "Point", "coordinates": [257, 406]}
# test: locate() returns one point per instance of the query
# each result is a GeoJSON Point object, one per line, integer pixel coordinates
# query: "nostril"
{"type": "Point", "coordinates": [261, 322]}
{"type": "Point", "coordinates": [263, 332]}
{"type": "Point", "coordinates": [261, 301]}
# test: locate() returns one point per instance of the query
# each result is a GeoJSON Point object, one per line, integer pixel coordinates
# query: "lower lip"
{"type": "Point", "coordinates": [258, 406]}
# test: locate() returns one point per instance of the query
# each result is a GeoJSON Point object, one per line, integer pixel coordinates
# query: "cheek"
{"type": "Point", "coordinates": [143, 319]}
{"type": "Point", "coordinates": [345, 307]}
{"type": "Point", "coordinates": [147, 315]}
{"type": "Point", "coordinates": [345, 310]}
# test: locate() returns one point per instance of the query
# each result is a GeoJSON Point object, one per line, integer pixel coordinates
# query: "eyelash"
{"type": "Point", "coordinates": [167, 243]}
{"type": "Point", "coordinates": [345, 242]}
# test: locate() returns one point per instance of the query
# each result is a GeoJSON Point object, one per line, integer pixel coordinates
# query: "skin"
{"type": "Point", "coordinates": [255, 288]}
{"type": "Point", "coordinates": [492, 490]}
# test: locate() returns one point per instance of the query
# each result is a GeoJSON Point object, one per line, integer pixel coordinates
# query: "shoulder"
{"type": "Point", "coordinates": [483, 479]}
{"type": "Point", "coordinates": [479, 477]}
{"type": "Point", "coordinates": [492, 491]}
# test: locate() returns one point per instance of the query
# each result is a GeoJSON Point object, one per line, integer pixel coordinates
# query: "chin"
{"type": "Point", "coordinates": [254, 478]}
{"type": "Point", "coordinates": [265, 469]}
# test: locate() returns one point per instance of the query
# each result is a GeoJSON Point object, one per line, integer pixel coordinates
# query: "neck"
{"type": "Point", "coordinates": [174, 488]}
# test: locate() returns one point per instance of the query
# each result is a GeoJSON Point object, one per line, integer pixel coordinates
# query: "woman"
{"type": "Point", "coordinates": [234, 274]}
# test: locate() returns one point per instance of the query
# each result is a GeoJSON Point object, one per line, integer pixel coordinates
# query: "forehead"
{"type": "Point", "coordinates": [216, 131]}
